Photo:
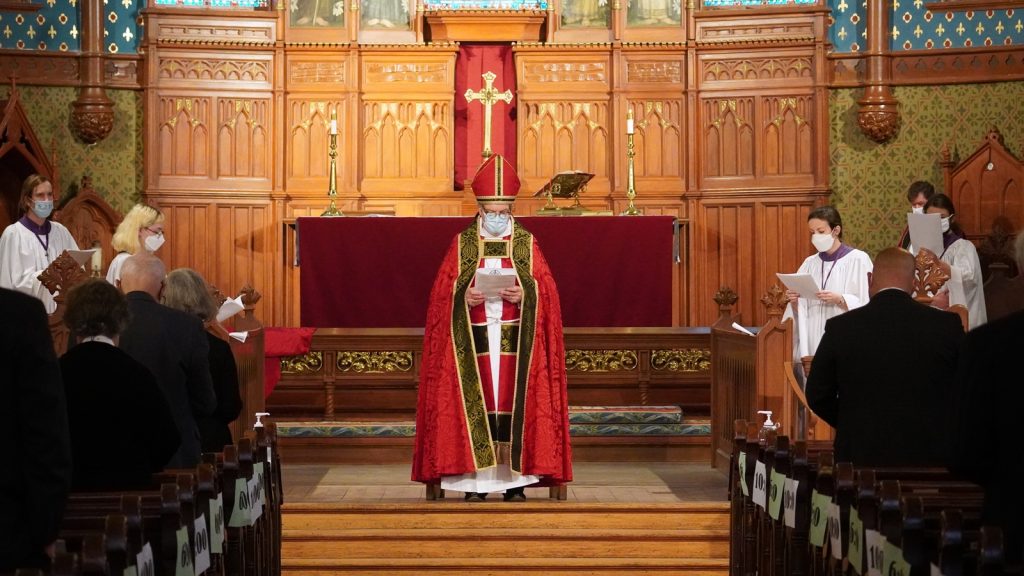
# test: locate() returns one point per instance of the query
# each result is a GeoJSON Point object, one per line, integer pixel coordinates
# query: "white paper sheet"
{"type": "Point", "coordinates": [803, 284]}
{"type": "Point", "coordinates": [229, 308]}
{"type": "Point", "coordinates": [925, 232]}
{"type": "Point", "coordinates": [82, 256]}
{"type": "Point", "coordinates": [240, 336]}
{"type": "Point", "coordinates": [742, 329]}
{"type": "Point", "coordinates": [491, 281]}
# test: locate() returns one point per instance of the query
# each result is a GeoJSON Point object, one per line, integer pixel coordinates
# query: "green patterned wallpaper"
{"type": "Point", "coordinates": [869, 181]}
{"type": "Point", "coordinates": [115, 163]}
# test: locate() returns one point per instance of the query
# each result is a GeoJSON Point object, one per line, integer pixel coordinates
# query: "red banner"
{"type": "Point", "coordinates": [472, 62]}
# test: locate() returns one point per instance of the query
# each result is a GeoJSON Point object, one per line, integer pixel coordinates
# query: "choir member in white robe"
{"type": "Point", "coordinates": [961, 262]}
{"type": "Point", "coordinates": [841, 272]}
{"type": "Point", "coordinates": [141, 229]}
{"type": "Point", "coordinates": [28, 246]}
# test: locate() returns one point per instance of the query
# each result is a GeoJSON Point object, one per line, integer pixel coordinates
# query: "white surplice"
{"type": "Point", "coordinates": [965, 285]}
{"type": "Point", "coordinates": [23, 258]}
{"type": "Point", "coordinates": [848, 276]}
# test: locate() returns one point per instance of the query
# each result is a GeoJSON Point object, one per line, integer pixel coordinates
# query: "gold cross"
{"type": "Point", "coordinates": [488, 97]}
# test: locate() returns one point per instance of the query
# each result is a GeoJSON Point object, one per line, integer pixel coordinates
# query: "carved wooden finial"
{"type": "Point", "coordinates": [945, 153]}
{"type": "Point", "coordinates": [775, 300]}
{"type": "Point", "coordinates": [725, 297]}
{"type": "Point", "coordinates": [217, 295]}
{"type": "Point", "coordinates": [994, 135]}
{"type": "Point", "coordinates": [250, 297]}
{"type": "Point", "coordinates": [63, 274]}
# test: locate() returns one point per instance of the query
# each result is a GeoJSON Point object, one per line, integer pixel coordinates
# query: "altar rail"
{"type": "Point", "coordinates": [372, 373]}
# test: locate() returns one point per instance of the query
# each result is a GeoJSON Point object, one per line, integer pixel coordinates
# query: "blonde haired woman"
{"type": "Point", "coordinates": [142, 228]}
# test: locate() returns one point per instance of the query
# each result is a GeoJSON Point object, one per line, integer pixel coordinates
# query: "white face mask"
{"type": "Point", "coordinates": [945, 224]}
{"type": "Point", "coordinates": [822, 242]}
{"type": "Point", "coordinates": [917, 209]}
{"type": "Point", "coordinates": [153, 243]}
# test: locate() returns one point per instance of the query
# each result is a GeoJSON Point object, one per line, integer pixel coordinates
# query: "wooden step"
{"type": "Point", "coordinates": [454, 513]}
{"type": "Point", "coordinates": [509, 566]}
{"type": "Point", "coordinates": [538, 537]}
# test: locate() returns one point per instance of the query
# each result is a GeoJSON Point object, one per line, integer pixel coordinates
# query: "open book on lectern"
{"type": "Point", "coordinates": [566, 184]}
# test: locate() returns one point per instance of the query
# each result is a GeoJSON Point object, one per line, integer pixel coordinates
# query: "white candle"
{"type": "Point", "coordinates": [97, 258]}
{"type": "Point", "coordinates": [334, 127]}
{"type": "Point", "coordinates": [629, 121]}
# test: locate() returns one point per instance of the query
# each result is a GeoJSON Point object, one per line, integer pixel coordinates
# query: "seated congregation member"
{"type": "Point", "coordinates": [36, 471]}
{"type": "Point", "coordinates": [173, 345]}
{"type": "Point", "coordinates": [917, 195]}
{"type": "Point", "coordinates": [839, 269]}
{"type": "Point", "coordinates": [883, 373]}
{"type": "Point", "coordinates": [122, 429]}
{"type": "Point", "coordinates": [986, 421]}
{"type": "Point", "coordinates": [187, 291]}
{"type": "Point", "coordinates": [959, 259]}
{"type": "Point", "coordinates": [31, 244]}
{"type": "Point", "coordinates": [141, 229]}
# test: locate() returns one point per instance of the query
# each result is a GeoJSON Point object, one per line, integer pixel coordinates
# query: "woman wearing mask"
{"type": "Point", "coordinates": [141, 229]}
{"type": "Point", "coordinates": [959, 259]}
{"type": "Point", "coordinates": [839, 270]}
{"type": "Point", "coordinates": [186, 290]}
{"type": "Point", "coordinates": [28, 246]}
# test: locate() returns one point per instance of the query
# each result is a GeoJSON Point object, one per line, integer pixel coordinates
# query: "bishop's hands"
{"type": "Point", "coordinates": [512, 295]}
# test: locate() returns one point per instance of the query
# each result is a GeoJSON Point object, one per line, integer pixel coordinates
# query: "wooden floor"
{"type": "Point", "coordinates": [595, 482]}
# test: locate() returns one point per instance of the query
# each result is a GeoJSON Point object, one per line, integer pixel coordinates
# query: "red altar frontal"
{"type": "Point", "coordinates": [366, 272]}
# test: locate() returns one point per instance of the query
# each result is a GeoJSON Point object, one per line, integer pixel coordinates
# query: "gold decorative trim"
{"type": "Point", "coordinates": [681, 360]}
{"type": "Point", "coordinates": [308, 363]}
{"type": "Point", "coordinates": [757, 40]}
{"type": "Point", "coordinates": [317, 44]}
{"type": "Point", "coordinates": [208, 42]}
{"type": "Point", "coordinates": [377, 362]}
{"type": "Point", "coordinates": [600, 360]}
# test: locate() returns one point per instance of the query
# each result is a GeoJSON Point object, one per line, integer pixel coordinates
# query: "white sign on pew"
{"type": "Point", "coordinates": [935, 571]}
{"type": "Point", "coordinates": [202, 545]}
{"type": "Point", "coordinates": [761, 485]}
{"type": "Point", "coordinates": [183, 565]}
{"type": "Point", "coordinates": [241, 513]}
{"type": "Point", "coordinates": [894, 563]}
{"type": "Point", "coordinates": [855, 551]}
{"type": "Point", "coordinates": [789, 502]}
{"type": "Point", "coordinates": [259, 471]}
{"type": "Point", "coordinates": [217, 535]}
{"type": "Point", "coordinates": [874, 541]}
{"type": "Point", "coordinates": [144, 561]}
{"type": "Point", "coordinates": [835, 534]}
{"type": "Point", "coordinates": [819, 518]}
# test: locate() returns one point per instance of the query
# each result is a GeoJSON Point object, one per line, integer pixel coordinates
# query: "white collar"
{"type": "Point", "coordinates": [98, 338]}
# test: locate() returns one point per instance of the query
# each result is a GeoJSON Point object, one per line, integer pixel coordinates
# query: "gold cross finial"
{"type": "Point", "coordinates": [488, 97]}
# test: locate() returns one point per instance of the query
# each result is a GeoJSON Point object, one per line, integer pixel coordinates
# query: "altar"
{"type": "Point", "coordinates": [366, 272]}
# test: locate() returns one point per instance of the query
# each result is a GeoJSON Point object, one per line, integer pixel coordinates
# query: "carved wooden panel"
{"type": "Point", "coordinates": [243, 146]}
{"type": "Point", "coordinates": [559, 136]}
{"type": "Point", "coordinates": [245, 70]}
{"type": "Point", "coordinates": [406, 122]}
{"type": "Point", "coordinates": [658, 139]}
{"type": "Point", "coordinates": [408, 141]}
{"type": "Point", "coordinates": [725, 255]}
{"type": "Point", "coordinates": [788, 135]}
{"type": "Point", "coordinates": [184, 126]}
{"type": "Point", "coordinates": [797, 68]}
{"type": "Point", "coordinates": [728, 130]}
{"type": "Point", "coordinates": [308, 141]}
{"type": "Point", "coordinates": [712, 28]}
{"type": "Point", "coordinates": [238, 245]}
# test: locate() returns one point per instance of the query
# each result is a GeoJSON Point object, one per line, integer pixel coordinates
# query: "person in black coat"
{"type": "Point", "coordinates": [186, 290]}
{"type": "Point", "coordinates": [883, 373]}
{"type": "Point", "coordinates": [987, 415]}
{"type": "Point", "coordinates": [174, 347]}
{"type": "Point", "coordinates": [36, 472]}
{"type": "Point", "coordinates": [122, 429]}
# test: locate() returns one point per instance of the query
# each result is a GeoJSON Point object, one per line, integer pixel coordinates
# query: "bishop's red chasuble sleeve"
{"type": "Point", "coordinates": [452, 430]}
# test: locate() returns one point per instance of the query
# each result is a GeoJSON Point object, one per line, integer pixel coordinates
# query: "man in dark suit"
{"type": "Point", "coordinates": [883, 373]}
{"type": "Point", "coordinates": [36, 471]}
{"type": "Point", "coordinates": [986, 418]}
{"type": "Point", "coordinates": [173, 345]}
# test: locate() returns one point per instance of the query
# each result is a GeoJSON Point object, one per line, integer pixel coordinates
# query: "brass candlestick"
{"type": "Point", "coordinates": [631, 210]}
{"type": "Point", "coordinates": [332, 152]}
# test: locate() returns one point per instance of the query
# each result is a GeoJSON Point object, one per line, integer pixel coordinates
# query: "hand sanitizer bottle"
{"type": "Point", "coordinates": [762, 435]}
